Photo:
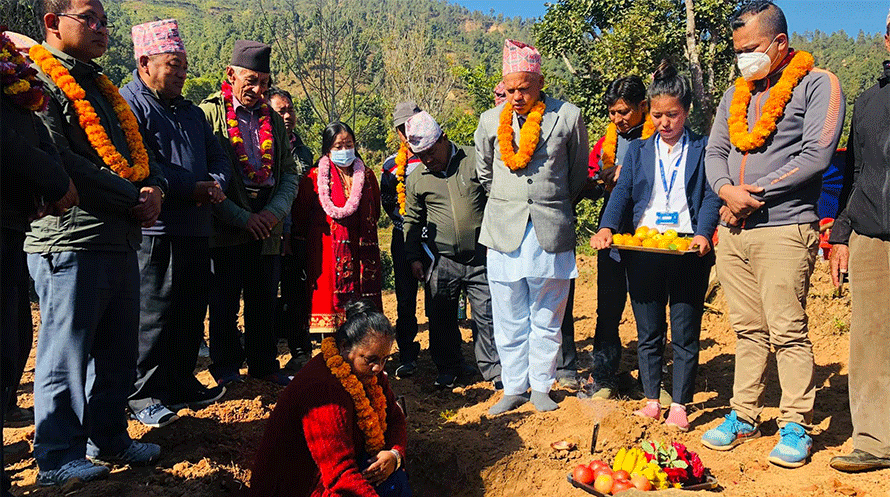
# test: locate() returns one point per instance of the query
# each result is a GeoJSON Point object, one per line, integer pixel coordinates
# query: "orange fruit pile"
{"type": "Point", "coordinates": [652, 238]}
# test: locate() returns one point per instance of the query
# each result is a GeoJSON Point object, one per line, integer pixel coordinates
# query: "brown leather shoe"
{"type": "Point", "coordinates": [859, 460]}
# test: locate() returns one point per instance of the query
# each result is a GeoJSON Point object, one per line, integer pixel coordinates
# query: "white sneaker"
{"type": "Point", "coordinates": [81, 469]}
{"type": "Point", "coordinates": [156, 416]}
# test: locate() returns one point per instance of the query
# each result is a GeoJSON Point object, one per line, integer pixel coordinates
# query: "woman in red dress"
{"type": "Point", "coordinates": [337, 429]}
{"type": "Point", "coordinates": [336, 212]}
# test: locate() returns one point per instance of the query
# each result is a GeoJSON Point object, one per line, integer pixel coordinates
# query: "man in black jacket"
{"type": "Point", "coordinates": [31, 169]}
{"type": "Point", "coordinates": [861, 236]}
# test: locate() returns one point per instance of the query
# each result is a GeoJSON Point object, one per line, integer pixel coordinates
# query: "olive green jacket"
{"type": "Point", "coordinates": [232, 214]}
{"type": "Point", "coordinates": [102, 221]}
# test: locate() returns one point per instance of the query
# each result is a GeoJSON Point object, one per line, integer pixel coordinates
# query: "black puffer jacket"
{"type": "Point", "coordinates": [865, 197]}
{"type": "Point", "coordinates": [31, 167]}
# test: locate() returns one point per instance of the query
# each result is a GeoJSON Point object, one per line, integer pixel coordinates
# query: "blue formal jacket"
{"type": "Point", "coordinates": [187, 152]}
{"type": "Point", "coordinates": [637, 178]}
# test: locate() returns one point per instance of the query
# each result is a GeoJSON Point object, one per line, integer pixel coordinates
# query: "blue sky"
{"type": "Point", "coordinates": [803, 15]}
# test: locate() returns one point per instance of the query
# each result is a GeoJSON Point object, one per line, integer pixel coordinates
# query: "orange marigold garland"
{"type": "Point", "coordinates": [90, 122]}
{"type": "Point", "coordinates": [801, 64]}
{"type": "Point", "coordinates": [528, 136]}
{"type": "Point", "coordinates": [610, 144]}
{"type": "Point", "coordinates": [371, 413]}
{"type": "Point", "coordinates": [401, 162]}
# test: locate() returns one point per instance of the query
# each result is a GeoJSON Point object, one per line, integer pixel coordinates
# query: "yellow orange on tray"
{"type": "Point", "coordinates": [651, 238]}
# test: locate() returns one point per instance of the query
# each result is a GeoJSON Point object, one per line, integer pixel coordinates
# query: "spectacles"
{"type": "Point", "coordinates": [91, 21]}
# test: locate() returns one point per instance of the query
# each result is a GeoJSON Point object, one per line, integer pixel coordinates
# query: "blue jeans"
{"type": "Point", "coordinates": [86, 353]}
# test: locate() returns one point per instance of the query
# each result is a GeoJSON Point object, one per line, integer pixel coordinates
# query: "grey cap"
{"type": "Point", "coordinates": [403, 112]}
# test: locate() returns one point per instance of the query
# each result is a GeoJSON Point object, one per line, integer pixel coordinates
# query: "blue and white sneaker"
{"type": "Point", "coordinates": [730, 433]}
{"type": "Point", "coordinates": [793, 448]}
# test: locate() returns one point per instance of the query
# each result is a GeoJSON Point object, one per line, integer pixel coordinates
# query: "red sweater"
{"type": "Point", "coordinates": [312, 439]}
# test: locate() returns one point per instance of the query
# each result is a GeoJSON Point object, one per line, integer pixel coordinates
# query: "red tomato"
{"type": "Point", "coordinates": [621, 486]}
{"type": "Point", "coordinates": [622, 475]}
{"type": "Point", "coordinates": [602, 471]}
{"type": "Point", "coordinates": [603, 483]}
{"type": "Point", "coordinates": [641, 482]}
{"type": "Point", "coordinates": [594, 465]}
{"type": "Point", "coordinates": [583, 474]}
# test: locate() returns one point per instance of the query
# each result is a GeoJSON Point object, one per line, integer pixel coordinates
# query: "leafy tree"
{"type": "Point", "coordinates": [600, 40]}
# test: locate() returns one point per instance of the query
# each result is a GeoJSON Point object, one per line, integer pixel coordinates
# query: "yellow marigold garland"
{"type": "Point", "coordinates": [528, 136]}
{"type": "Point", "coordinates": [801, 64]}
{"type": "Point", "coordinates": [401, 162]}
{"type": "Point", "coordinates": [90, 122]}
{"type": "Point", "coordinates": [371, 413]}
{"type": "Point", "coordinates": [610, 144]}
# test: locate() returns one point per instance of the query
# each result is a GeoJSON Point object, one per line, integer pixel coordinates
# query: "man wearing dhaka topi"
{"type": "Point", "coordinates": [245, 248]}
{"type": "Point", "coordinates": [773, 136]}
{"type": "Point", "coordinates": [174, 260]}
{"type": "Point", "coordinates": [531, 157]}
{"type": "Point", "coordinates": [84, 263]}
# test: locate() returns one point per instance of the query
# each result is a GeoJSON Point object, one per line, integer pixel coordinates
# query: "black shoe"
{"type": "Point", "coordinates": [467, 371]}
{"type": "Point", "coordinates": [859, 460]}
{"type": "Point", "coordinates": [445, 380]}
{"type": "Point", "coordinates": [198, 398]}
{"type": "Point", "coordinates": [406, 370]}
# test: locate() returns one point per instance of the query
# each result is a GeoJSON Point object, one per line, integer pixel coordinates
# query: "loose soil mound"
{"type": "Point", "coordinates": [455, 449]}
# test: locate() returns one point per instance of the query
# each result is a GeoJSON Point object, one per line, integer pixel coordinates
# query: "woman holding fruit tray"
{"type": "Point", "coordinates": [664, 180]}
{"type": "Point", "coordinates": [337, 429]}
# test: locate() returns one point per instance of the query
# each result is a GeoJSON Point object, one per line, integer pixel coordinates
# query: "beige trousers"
{"type": "Point", "coordinates": [765, 274]}
{"type": "Point", "coordinates": [870, 344]}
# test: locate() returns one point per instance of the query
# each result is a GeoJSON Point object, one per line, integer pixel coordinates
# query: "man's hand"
{"type": "Point", "coordinates": [702, 244]}
{"type": "Point", "coordinates": [381, 467]}
{"type": "Point", "coordinates": [208, 192]}
{"type": "Point", "coordinates": [739, 200]}
{"type": "Point", "coordinates": [417, 270]}
{"type": "Point", "coordinates": [149, 207]}
{"type": "Point", "coordinates": [70, 199]}
{"type": "Point", "coordinates": [838, 263]}
{"type": "Point", "coordinates": [258, 226]}
{"type": "Point", "coordinates": [602, 239]}
{"type": "Point", "coordinates": [610, 176]}
{"type": "Point", "coordinates": [727, 217]}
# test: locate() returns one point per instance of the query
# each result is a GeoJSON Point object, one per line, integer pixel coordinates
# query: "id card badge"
{"type": "Point", "coordinates": [667, 218]}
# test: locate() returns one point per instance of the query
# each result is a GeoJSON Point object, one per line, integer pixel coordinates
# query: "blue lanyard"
{"type": "Point", "coordinates": [669, 188]}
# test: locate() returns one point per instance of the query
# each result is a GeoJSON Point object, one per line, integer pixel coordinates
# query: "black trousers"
{"type": "Point", "coordinates": [566, 363]}
{"type": "Point", "coordinates": [237, 269]}
{"type": "Point", "coordinates": [174, 283]}
{"type": "Point", "coordinates": [406, 300]}
{"type": "Point", "coordinates": [447, 279]}
{"type": "Point", "coordinates": [611, 297]}
{"type": "Point", "coordinates": [680, 281]}
{"type": "Point", "coordinates": [292, 313]}
{"type": "Point", "coordinates": [24, 336]}
{"type": "Point", "coordinates": [14, 268]}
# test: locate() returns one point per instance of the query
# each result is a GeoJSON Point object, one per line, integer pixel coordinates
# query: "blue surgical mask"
{"type": "Point", "coordinates": [344, 157]}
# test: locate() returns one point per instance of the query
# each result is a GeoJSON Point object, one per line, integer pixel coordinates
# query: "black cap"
{"type": "Point", "coordinates": [251, 55]}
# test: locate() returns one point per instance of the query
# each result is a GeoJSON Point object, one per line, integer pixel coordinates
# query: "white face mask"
{"type": "Point", "coordinates": [343, 158]}
{"type": "Point", "coordinates": [755, 66]}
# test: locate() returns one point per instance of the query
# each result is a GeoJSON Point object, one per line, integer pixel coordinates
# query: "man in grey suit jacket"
{"type": "Point", "coordinates": [532, 179]}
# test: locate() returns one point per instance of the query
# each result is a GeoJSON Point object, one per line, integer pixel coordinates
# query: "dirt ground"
{"type": "Point", "coordinates": [455, 449]}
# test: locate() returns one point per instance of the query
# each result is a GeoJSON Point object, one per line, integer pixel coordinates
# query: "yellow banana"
{"type": "Point", "coordinates": [619, 459]}
{"type": "Point", "coordinates": [630, 459]}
